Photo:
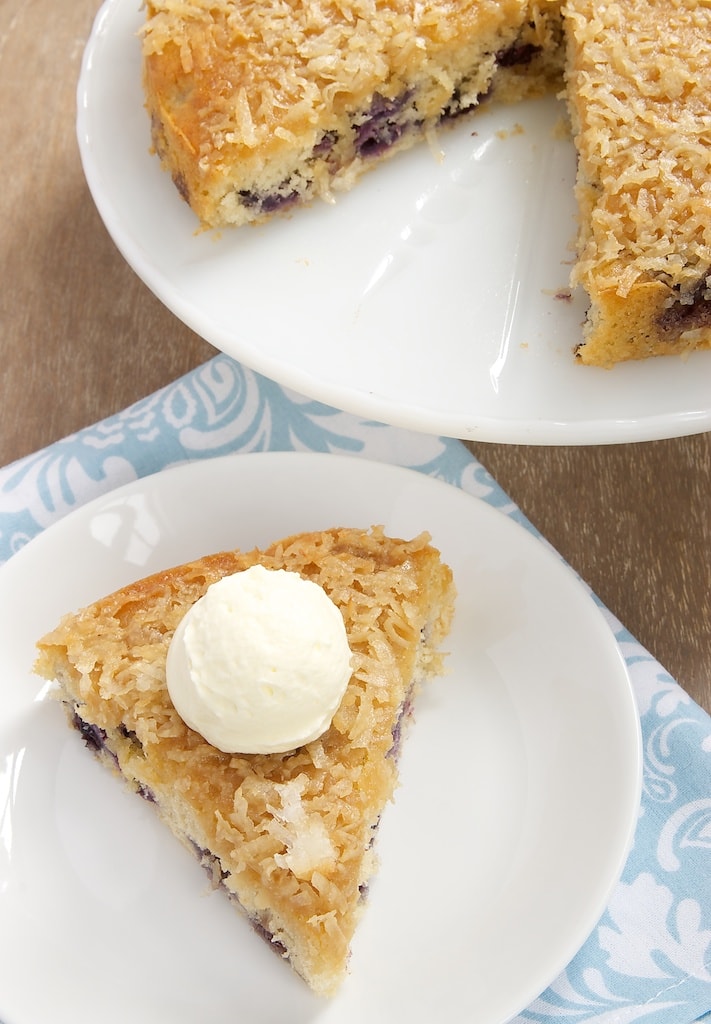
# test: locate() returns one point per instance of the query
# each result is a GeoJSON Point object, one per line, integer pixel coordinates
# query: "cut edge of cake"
{"type": "Point", "coordinates": [289, 837]}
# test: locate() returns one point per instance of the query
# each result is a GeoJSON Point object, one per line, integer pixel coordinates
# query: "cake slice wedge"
{"type": "Point", "coordinates": [289, 836]}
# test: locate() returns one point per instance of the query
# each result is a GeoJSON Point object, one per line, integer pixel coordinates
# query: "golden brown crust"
{"type": "Point", "coordinates": [291, 833]}
{"type": "Point", "coordinates": [638, 84]}
{"type": "Point", "coordinates": [254, 104]}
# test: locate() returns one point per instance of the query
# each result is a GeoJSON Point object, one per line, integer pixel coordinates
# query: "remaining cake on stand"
{"type": "Point", "coordinates": [257, 108]}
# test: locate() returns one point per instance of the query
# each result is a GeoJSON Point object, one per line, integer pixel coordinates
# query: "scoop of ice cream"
{"type": "Point", "coordinates": [260, 663]}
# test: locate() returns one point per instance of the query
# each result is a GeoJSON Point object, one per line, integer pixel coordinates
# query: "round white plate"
{"type": "Point", "coordinates": [428, 297]}
{"type": "Point", "coordinates": [519, 789]}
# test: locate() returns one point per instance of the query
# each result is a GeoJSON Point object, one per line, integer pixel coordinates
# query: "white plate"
{"type": "Point", "coordinates": [426, 298]}
{"type": "Point", "coordinates": [519, 779]}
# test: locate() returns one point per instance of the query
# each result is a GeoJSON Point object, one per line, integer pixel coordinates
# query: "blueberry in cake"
{"type": "Point", "coordinates": [257, 107]}
{"type": "Point", "coordinates": [289, 836]}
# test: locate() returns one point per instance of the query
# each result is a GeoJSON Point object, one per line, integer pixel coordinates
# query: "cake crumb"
{"type": "Point", "coordinates": [505, 133]}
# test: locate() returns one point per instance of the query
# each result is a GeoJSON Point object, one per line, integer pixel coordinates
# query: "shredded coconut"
{"type": "Point", "coordinates": [644, 136]}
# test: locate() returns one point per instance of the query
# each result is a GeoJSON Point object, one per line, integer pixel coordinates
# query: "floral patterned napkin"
{"type": "Point", "coordinates": [649, 958]}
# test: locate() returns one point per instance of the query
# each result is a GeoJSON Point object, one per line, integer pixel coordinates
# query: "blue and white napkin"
{"type": "Point", "coordinates": [649, 958]}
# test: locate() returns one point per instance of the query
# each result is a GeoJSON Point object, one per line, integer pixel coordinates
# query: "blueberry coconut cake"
{"type": "Point", "coordinates": [638, 87]}
{"type": "Point", "coordinates": [256, 107]}
{"type": "Point", "coordinates": [288, 836]}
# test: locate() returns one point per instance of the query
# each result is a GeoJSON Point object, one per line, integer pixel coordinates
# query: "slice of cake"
{"type": "Point", "coordinates": [257, 107]}
{"type": "Point", "coordinates": [638, 87]}
{"type": "Point", "coordinates": [289, 836]}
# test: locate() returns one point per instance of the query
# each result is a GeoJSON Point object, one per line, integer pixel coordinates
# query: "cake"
{"type": "Point", "coordinates": [639, 88]}
{"type": "Point", "coordinates": [290, 837]}
{"type": "Point", "coordinates": [255, 108]}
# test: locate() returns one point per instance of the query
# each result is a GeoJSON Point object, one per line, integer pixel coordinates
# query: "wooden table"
{"type": "Point", "coordinates": [81, 337]}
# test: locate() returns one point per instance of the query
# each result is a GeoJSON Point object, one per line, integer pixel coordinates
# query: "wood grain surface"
{"type": "Point", "coordinates": [81, 337]}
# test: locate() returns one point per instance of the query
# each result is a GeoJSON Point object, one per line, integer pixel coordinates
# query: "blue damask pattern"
{"type": "Point", "coordinates": [649, 958]}
{"type": "Point", "coordinates": [219, 408]}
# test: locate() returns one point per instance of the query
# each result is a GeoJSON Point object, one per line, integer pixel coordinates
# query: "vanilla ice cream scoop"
{"type": "Point", "coordinates": [260, 663]}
